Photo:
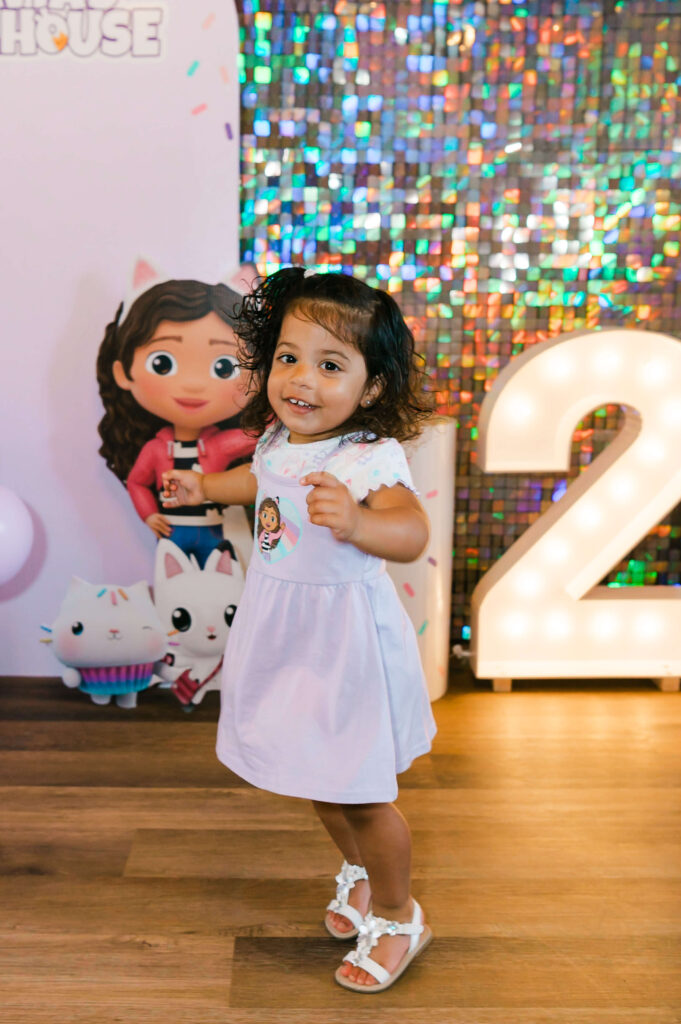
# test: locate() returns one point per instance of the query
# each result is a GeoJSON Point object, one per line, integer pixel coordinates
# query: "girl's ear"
{"type": "Point", "coordinates": [120, 376]}
{"type": "Point", "coordinates": [372, 391]}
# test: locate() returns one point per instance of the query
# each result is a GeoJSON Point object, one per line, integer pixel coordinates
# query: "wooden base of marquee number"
{"type": "Point", "coordinates": [668, 684]}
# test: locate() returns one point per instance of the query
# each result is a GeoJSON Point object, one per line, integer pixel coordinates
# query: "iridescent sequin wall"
{"type": "Point", "coordinates": [509, 170]}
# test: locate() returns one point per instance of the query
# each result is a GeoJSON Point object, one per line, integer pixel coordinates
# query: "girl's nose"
{"type": "Point", "coordinates": [302, 374]}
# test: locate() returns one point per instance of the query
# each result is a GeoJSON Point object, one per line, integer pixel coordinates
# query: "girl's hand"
{"type": "Point", "coordinates": [182, 487]}
{"type": "Point", "coordinates": [159, 524]}
{"type": "Point", "coordinates": [330, 504]}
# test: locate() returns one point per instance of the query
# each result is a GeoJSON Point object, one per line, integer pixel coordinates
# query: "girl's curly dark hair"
{"type": "Point", "coordinates": [126, 426]}
{"type": "Point", "coordinates": [366, 318]}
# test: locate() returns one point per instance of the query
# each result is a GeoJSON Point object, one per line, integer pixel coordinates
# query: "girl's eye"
{"type": "Point", "coordinates": [162, 364]}
{"type": "Point", "coordinates": [225, 368]}
{"type": "Point", "coordinates": [328, 365]}
{"type": "Point", "coordinates": [286, 357]}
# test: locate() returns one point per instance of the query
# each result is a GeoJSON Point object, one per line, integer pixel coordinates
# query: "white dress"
{"type": "Point", "coordinates": [323, 693]}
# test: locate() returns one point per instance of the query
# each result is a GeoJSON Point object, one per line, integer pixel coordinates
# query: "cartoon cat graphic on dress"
{"type": "Point", "coordinates": [196, 607]}
{"type": "Point", "coordinates": [108, 638]}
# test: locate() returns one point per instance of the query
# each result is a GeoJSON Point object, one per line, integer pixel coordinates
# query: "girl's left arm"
{"type": "Point", "coordinates": [391, 525]}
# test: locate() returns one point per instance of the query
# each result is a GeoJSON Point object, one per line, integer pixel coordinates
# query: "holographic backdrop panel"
{"type": "Point", "coordinates": [509, 170]}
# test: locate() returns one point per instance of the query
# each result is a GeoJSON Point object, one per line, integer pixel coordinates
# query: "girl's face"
{"type": "Point", "coordinates": [187, 374]}
{"type": "Point", "coordinates": [268, 519]}
{"type": "Point", "coordinates": [316, 381]}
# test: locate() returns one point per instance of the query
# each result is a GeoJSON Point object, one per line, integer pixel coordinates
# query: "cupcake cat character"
{"type": "Point", "coordinates": [323, 694]}
{"type": "Point", "coordinates": [172, 390]}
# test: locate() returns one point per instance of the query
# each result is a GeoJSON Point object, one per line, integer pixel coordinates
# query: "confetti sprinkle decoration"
{"type": "Point", "coordinates": [423, 628]}
{"type": "Point", "coordinates": [505, 173]}
{"type": "Point", "coordinates": [431, 560]}
{"type": "Point", "coordinates": [200, 109]}
{"type": "Point", "coordinates": [209, 21]}
{"type": "Point", "coordinates": [224, 75]}
{"type": "Point", "coordinates": [409, 589]}
{"type": "Point", "coordinates": [192, 68]}
{"type": "Point", "coordinates": [228, 129]}
{"type": "Point", "coordinates": [432, 494]}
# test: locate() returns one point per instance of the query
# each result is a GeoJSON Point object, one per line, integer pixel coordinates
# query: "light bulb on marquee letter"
{"type": "Point", "coordinates": [584, 630]}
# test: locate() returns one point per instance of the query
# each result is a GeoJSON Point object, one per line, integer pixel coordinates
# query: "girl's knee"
{"type": "Point", "coordinates": [324, 805]}
{"type": "Point", "coordinates": [360, 813]}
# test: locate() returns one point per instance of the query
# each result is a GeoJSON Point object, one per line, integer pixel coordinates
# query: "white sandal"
{"type": "Point", "coordinates": [349, 874]}
{"type": "Point", "coordinates": [370, 932]}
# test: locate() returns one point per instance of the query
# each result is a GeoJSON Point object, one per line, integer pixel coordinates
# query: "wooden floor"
{"type": "Point", "coordinates": [141, 882]}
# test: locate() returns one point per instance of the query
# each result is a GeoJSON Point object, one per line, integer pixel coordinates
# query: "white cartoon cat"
{"type": "Point", "coordinates": [109, 638]}
{"type": "Point", "coordinates": [196, 607]}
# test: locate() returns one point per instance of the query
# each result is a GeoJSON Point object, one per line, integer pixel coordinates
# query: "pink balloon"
{"type": "Point", "coordinates": [16, 534]}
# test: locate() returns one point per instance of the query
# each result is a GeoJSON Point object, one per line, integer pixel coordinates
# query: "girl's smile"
{"type": "Point", "coordinates": [316, 381]}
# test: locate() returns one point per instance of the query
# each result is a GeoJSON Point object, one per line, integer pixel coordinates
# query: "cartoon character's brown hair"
{"type": "Point", "coordinates": [268, 503]}
{"type": "Point", "coordinates": [126, 426]}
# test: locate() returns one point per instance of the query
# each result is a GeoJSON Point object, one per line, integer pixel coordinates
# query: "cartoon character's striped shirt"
{"type": "Point", "coordinates": [186, 456]}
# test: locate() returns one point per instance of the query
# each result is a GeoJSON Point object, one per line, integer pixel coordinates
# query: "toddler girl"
{"type": "Point", "coordinates": [323, 694]}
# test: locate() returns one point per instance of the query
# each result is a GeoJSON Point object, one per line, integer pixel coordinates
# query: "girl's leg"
{"type": "Point", "coordinates": [336, 824]}
{"type": "Point", "coordinates": [384, 841]}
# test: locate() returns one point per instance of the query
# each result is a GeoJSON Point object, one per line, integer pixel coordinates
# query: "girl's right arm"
{"type": "Point", "coordinates": [185, 487]}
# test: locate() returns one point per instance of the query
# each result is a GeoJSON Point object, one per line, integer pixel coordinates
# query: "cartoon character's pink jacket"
{"type": "Point", "coordinates": [218, 449]}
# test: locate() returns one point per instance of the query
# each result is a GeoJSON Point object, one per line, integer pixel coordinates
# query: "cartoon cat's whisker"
{"type": "Point", "coordinates": [46, 640]}
{"type": "Point", "coordinates": [48, 629]}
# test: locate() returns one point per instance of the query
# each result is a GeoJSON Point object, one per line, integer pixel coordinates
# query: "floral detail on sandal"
{"type": "Point", "coordinates": [347, 877]}
{"type": "Point", "coordinates": [370, 931]}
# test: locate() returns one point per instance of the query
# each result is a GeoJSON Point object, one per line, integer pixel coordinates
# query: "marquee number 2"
{"type": "Point", "coordinates": [538, 612]}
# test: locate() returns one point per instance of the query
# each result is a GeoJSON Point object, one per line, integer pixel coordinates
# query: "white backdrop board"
{"type": "Point", "coordinates": [425, 585]}
{"type": "Point", "coordinates": [120, 128]}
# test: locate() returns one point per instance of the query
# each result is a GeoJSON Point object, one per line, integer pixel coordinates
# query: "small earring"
{"type": "Point", "coordinates": [367, 404]}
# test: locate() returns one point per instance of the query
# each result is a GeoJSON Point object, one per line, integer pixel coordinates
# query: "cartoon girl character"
{"type": "Point", "coordinates": [270, 526]}
{"type": "Point", "coordinates": [172, 390]}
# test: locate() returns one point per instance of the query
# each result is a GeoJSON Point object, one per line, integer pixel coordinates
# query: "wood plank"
{"type": "Point", "coordinates": [26, 698]}
{"type": "Point", "coordinates": [126, 766]}
{"type": "Point", "coordinates": [27, 1008]}
{"type": "Point", "coordinates": [65, 807]}
{"type": "Point", "coordinates": [147, 968]}
{"type": "Point", "coordinates": [508, 851]}
{"type": "Point", "coordinates": [603, 908]}
{"type": "Point", "coordinates": [469, 972]}
{"type": "Point", "coordinates": [82, 853]}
